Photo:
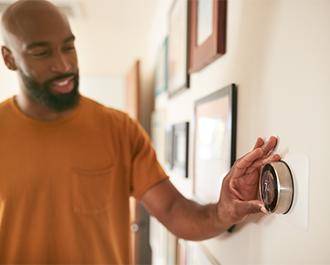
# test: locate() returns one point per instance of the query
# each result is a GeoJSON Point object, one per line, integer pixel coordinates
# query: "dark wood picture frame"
{"type": "Point", "coordinates": [180, 148]}
{"type": "Point", "coordinates": [215, 45]}
{"type": "Point", "coordinates": [178, 77]}
{"type": "Point", "coordinates": [214, 141]}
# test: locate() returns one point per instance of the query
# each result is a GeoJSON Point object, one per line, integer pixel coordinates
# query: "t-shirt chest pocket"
{"type": "Point", "coordinates": [91, 190]}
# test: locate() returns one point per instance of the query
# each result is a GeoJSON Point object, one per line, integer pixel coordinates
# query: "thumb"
{"type": "Point", "coordinates": [245, 208]}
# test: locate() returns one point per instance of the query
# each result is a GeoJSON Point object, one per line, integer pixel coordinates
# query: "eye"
{"type": "Point", "coordinates": [69, 48]}
{"type": "Point", "coordinates": [39, 54]}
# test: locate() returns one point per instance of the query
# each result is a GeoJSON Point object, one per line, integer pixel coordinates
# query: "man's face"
{"type": "Point", "coordinates": [43, 48]}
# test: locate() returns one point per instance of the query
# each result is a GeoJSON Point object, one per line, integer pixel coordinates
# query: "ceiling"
{"type": "Point", "coordinates": [110, 34]}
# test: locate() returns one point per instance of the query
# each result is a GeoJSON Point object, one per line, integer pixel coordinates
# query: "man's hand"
{"type": "Point", "coordinates": [238, 198]}
{"type": "Point", "coordinates": [192, 221]}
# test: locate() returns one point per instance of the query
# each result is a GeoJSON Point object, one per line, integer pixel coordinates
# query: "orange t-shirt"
{"type": "Point", "coordinates": [65, 185]}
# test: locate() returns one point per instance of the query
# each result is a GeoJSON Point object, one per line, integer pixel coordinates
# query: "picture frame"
{"type": "Point", "coordinates": [158, 136]}
{"type": "Point", "coordinates": [161, 70]}
{"type": "Point", "coordinates": [171, 252]}
{"type": "Point", "coordinates": [132, 92]}
{"type": "Point", "coordinates": [178, 77]}
{"type": "Point", "coordinates": [169, 146]}
{"type": "Point", "coordinates": [214, 141]}
{"type": "Point", "coordinates": [158, 241]}
{"type": "Point", "coordinates": [180, 148]}
{"type": "Point", "coordinates": [181, 252]}
{"type": "Point", "coordinates": [208, 22]}
{"type": "Point", "coordinates": [199, 254]}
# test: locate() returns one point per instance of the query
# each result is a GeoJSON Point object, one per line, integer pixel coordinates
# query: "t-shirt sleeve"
{"type": "Point", "coordinates": [145, 168]}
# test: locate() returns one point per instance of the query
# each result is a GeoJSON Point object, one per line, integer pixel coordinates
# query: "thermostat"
{"type": "Point", "coordinates": [276, 187]}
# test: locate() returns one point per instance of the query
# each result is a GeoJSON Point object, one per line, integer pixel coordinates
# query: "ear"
{"type": "Point", "coordinates": [8, 58]}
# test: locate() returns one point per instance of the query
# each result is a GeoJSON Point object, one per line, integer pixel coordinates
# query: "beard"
{"type": "Point", "coordinates": [41, 92]}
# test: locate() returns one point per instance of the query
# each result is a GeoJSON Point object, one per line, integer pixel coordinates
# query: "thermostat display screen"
{"type": "Point", "coordinates": [268, 187]}
{"type": "Point", "coordinates": [268, 192]}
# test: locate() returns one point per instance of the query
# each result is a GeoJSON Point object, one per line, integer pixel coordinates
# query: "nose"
{"type": "Point", "coordinates": [60, 63]}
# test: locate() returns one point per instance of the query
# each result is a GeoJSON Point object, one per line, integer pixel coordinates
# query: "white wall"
{"type": "Point", "coordinates": [278, 55]}
{"type": "Point", "coordinates": [108, 91]}
{"type": "Point", "coordinates": [8, 82]}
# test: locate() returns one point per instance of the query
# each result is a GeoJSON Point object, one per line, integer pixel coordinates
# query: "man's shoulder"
{"type": "Point", "coordinates": [95, 108]}
{"type": "Point", "coordinates": [107, 118]}
{"type": "Point", "coordinates": [5, 105]}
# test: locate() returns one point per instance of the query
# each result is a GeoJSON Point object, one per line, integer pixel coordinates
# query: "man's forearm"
{"type": "Point", "coordinates": [192, 221]}
{"type": "Point", "coordinates": [184, 218]}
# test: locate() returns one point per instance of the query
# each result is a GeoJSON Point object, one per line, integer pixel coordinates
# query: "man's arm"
{"type": "Point", "coordinates": [192, 221]}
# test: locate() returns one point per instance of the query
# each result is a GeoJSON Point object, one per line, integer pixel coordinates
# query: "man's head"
{"type": "Point", "coordinates": [39, 45]}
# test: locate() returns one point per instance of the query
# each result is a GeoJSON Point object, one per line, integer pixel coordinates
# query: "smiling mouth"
{"type": "Point", "coordinates": [63, 86]}
{"type": "Point", "coordinates": [63, 83]}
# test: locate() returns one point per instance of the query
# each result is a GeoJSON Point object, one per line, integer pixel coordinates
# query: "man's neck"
{"type": "Point", "coordinates": [35, 110]}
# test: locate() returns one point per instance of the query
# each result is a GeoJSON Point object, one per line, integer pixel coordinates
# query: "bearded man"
{"type": "Point", "coordinates": [69, 165]}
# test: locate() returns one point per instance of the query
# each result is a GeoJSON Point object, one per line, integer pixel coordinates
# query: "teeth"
{"type": "Point", "coordinates": [62, 83]}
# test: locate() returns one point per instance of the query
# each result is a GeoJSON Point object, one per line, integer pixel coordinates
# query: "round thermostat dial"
{"type": "Point", "coordinates": [276, 187]}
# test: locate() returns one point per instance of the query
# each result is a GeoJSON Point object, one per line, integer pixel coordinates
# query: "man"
{"type": "Point", "coordinates": [69, 165]}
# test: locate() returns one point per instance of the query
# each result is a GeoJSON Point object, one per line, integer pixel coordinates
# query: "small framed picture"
{"type": "Point", "coordinates": [215, 142]}
{"type": "Point", "coordinates": [180, 148]}
{"type": "Point", "coordinates": [207, 32]}
{"type": "Point", "coordinates": [178, 78]}
{"type": "Point", "coordinates": [158, 133]}
{"type": "Point", "coordinates": [161, 70]}
{"type": "Point", "coordinates": [171, 249]}
{"type": "Point", "coordinates": [169, 147]}
{"type": "Point", "coordinates": [181, 252]}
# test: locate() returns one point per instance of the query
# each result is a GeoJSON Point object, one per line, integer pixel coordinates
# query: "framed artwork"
{"type": "Point", "coordinates": [158, 133]}
{"type": "Point", "coordinates": [178, 78]}
{"type": "Point", "coordinates": [180, 148]}
{"type": "Point", "coordinates": [199, 255]}
{"type": "Point", "coordinates": [161, 70]}
{"type": "Point", "coordinates": [207, 32]}
{"type": "Point", "coordinates": [215, 142]}
{"type": "Point", "coordinates": [158, 241]}
{"type": "Point", "coordinates": [171, 249]}
{"type": "Point", "coordinates": [181, 252]}
{"type": "Point", "coordinates": [169, 147]}
{"type": "Point", "coordinates": [132, 91]}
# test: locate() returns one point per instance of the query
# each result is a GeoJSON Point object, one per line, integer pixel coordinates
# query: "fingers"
{"type": "Point", "coordinates": [258, 157]}
{"type": "Point", "coordinates": [246, 161]}
{"type": "Point", "coordinates": [249, 207]}
{"type": "Point", "coordinates": [269, 145]}
{"type": "Point", "coordinates": [263, 161]}
{"type": "Point", "coordinates": [259, 143]}
{"type": "Point", "coordinates": [266, 147]}
{"type": "Point", "coordinates": [266, 157]}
